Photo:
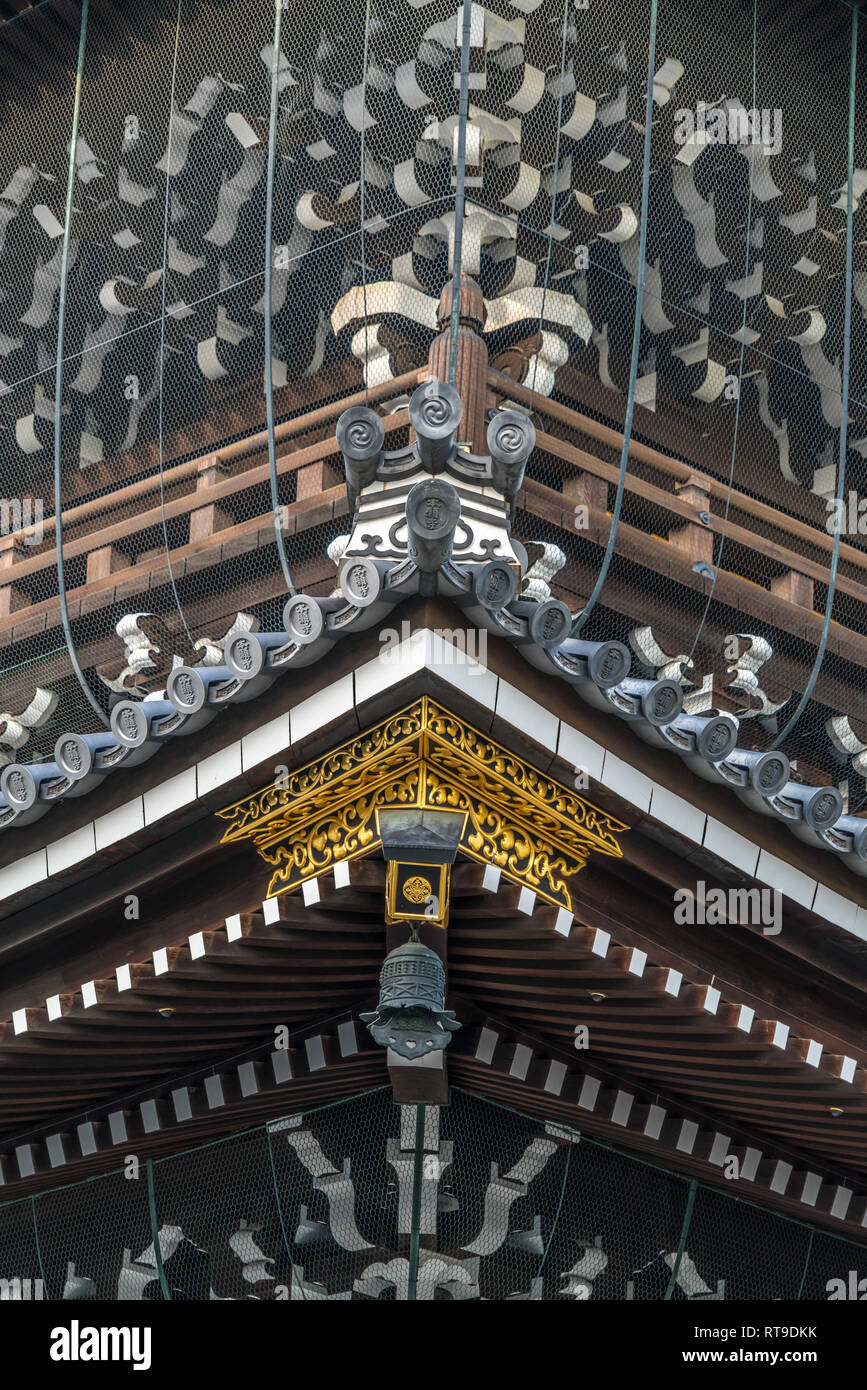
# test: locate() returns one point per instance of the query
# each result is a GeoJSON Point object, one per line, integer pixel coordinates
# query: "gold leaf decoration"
{"type": "Point", "coordinates": [535, 830]}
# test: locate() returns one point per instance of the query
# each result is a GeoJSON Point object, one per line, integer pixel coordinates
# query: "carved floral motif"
{"type": "Point", "coordinates": [531, 827]}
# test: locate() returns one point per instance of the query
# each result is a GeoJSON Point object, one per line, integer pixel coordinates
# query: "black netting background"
{"type": "Point", "coordinates": [367, 1199]}
{"type": "Point", "coordinates": [723, 544]}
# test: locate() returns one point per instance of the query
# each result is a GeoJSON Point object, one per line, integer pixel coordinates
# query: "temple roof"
{"type": "Point", "coordinates": [130, 1051]}
{"type": "Point", "coordinates": [433, 517]}
{"type": "Point", "coordinates": [736, 435]}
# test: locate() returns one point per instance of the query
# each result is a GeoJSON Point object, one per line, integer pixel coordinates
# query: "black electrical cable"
{"type": "Point", "coordinates": [582, 617]}
{"type": "Point", "coordinates": [58, 382]}
{"type": "Point", "coordinates": [269, 267]}
{"type": "Point", "coordinates": [844, 424]}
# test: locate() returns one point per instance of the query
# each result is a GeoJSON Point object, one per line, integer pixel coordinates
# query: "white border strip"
{"type": "Point", "coordinates": [427, 650]}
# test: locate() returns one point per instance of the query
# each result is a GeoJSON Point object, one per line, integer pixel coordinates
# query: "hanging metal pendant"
{"type": "Point", "coordinates": [410, 1017]}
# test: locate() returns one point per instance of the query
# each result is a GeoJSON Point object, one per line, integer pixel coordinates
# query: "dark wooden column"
{"type": "Point", "coordinates": [472, 358]}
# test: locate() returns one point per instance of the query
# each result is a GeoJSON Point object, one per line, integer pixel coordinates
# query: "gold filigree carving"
{"type": "Point", "coordinates": [346, 834]}
{"type": "Point", "coordinates": [535, 830]}
{"type": "Point", "coordinates": [496, 836]}
{"type": "Point", "coordinates": [298, 790]}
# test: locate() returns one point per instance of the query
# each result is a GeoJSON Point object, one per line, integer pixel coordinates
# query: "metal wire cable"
{"type": "Point", "coordinates": [152, 1212]}
{"type": "Point", "coordinates": [727, 510]}
{"type": "Point", "coordinates": [582, 617]}
{"type": "Point", "coordinates": [554, 192]}
{"type": "Point", "coordinates": [42, 1273]}
{"type": "Point", "coordinates": [415, 1224]}
{"type": "Point", "coordinates": [162, 352]}
{"type": "Point", "coordinates": [460, 189]}
{"type": "Point", "coordinates": [362, 207]}
{"type": "Point", "coordinates": [269, 267]}
{"type": "Point", "coordinates": [806, 1265]}
{"type": "Point", "coordinates": [684, 1232]}
{"type": "Point", "coordinates": [844, 423]}
{"type": "Point", "coordinates": [58, 383]}
{"type": "Point", "coordinates": [556, 1221]}
{"type": "Point", "coordinates": [287, 1244]}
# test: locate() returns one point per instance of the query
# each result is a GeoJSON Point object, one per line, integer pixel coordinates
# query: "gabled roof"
{"type": "Point", "coordinates": [434, 518]}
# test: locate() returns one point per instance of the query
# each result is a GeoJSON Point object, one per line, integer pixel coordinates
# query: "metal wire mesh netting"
{"type": "Point", "coordinates": [664, 238]}
{"type": "Point", "coordinates": [217, 149]}
{"type": "Point", "coordinates": [367, 1199]}
{"type": "Point", "coordinates": [736, 365]}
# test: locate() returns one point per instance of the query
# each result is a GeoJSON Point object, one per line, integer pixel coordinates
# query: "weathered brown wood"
{"type": "Point", "coordinates": [686, 508]}
{"type": "Point", "coordinates": [104, 562]}
{"type": "Point", "coordinates": [794, 588]}
{"type": "Point", "coordinates": [471, 362]}
{"type": "Point", "coordinates": [694, 539]}
{"type": "Point", "coordinates": [216, 494]}
{"type": "Point", "coordinates": [207, 550]}
{"type": "Point", "coordinates": [337, 384]}
{"type": "Point", "coordinates": [315, 479]}
{"type": "Point", "coordinates": [207, 521]}
{"type": "Point", "coordinates": [586, 489]}
{"type": "Point", "coordinates": [650, 553]}
{"type": "Point", "coordinates": [815, 535]}
{"type": "Point", "coordinates": [12, 600]}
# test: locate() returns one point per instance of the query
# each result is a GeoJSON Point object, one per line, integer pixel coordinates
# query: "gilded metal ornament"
{"type": "Point", "coordinates": [417, 889]}
{"type": "Point", "coordinates": [538, 832]}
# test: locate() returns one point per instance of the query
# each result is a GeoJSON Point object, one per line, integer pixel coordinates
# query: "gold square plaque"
{"type": "Point", "coordinates": [417, 892]}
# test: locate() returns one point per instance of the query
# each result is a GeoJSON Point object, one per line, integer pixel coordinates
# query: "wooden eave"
{"type": "Point", "coordinates": [322, 962]}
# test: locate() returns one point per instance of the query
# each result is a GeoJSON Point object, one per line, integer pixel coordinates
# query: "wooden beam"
{"type": "Point", "coordinates": [815, 534]}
